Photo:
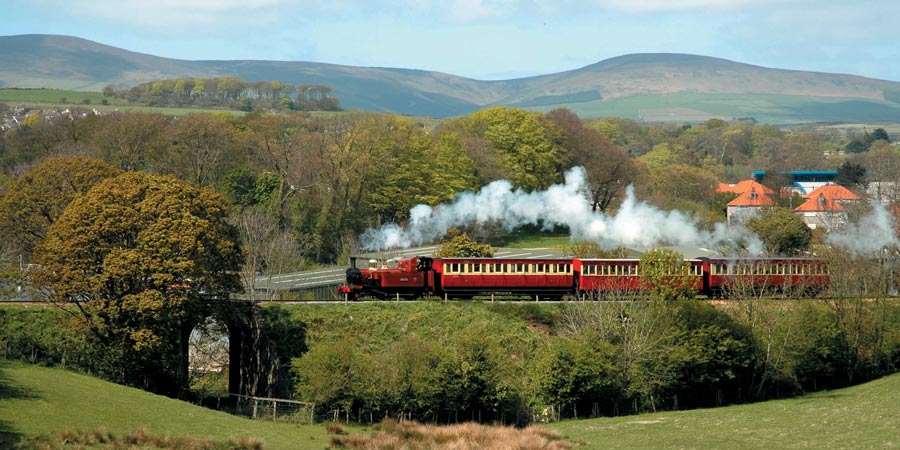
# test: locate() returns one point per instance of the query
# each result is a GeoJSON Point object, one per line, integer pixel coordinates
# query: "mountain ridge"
{"type": "Point", "coordinates": [68, 62]}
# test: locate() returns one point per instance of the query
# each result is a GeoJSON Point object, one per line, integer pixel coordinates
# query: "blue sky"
{"type": "Point", "coordinates": [485, 39]}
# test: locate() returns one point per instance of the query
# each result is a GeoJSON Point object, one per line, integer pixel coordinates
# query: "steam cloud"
{"type": "Point", "coordinates": [636, 225]}
{"type": "Point", "coordinates": [873, 232]}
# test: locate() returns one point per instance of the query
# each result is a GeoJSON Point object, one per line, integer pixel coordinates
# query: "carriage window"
{"type": "Point", "coordinates": [476, 267]}
{"type": "Point", "coordinates": [529, 268]}
{"type": "Point", "coordinates": [539, 268]}
{"type": "Point", "coordinates": [520, 268]}
{"type": "Point", "coordinates": [454, 267]}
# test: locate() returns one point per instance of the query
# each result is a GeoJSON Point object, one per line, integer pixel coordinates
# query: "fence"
{"type": "Point", "coordinates": [274, 408]}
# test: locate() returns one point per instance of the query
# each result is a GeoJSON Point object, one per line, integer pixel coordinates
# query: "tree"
{"type": "Point", "coordinates": [782, 231]}
{"type": "Point", "coordinates": [38, 198]}
{"type": "Point", "coordinates": [609, 169]}
{"type": "Point", "coordinates": [201, 147]}
{"type": "Point", "coordinates": [458, 244]}
{"type": "Point", "coordinates": [666, 274]}
{"type": "Point", "coordinates": [525, 142]}
{"type": "Point", "coordinates": [142, 257]}
{"type": "Point", "coordinates": [129, 140]}
{"type": "Point", "coordinates": [879, 134]}
{"type": "Point", "coordinates": [850, 175]}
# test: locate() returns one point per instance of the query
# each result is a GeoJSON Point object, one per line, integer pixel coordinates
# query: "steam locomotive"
{"type": "Point", "coordinates": [555, 278]}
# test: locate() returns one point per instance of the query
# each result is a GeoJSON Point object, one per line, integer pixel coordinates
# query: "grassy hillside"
{"type": "Point", "coordinates": [766, 108]}
{"type": "Point", "coordinates": [665, 84]}
{"type": "Point", "coordinates": [34, 400]}
{"type": "Point", "coordinates": [864, 416]}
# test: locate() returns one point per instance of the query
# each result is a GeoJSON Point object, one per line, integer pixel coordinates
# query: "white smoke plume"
{"type": "Point", "coordinates": [636, 225]}
{"type": "Point", "coordinates": [871, 234]}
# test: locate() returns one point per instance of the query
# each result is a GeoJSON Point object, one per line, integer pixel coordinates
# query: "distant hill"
{"type": "Point", "coordinates": [650, 87]}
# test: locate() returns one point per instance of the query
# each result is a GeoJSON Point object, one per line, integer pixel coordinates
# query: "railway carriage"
{"type": "Point", "coordinates": [795, 275]}
{"type": "Point", "coordinates": [547, 278]}
{"type": "Point", "coordinates": [623, 276]}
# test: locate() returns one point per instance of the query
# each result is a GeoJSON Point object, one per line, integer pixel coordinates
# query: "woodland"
{"type": "Point", "coordinates": [138, 222]}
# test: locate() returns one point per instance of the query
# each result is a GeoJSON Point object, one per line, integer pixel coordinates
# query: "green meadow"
{"type": "Point", "coordinates": [35, 400]}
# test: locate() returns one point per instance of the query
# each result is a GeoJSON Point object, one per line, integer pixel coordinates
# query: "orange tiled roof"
{"type": "Point", "coordinates": [724, 187]}
{"type": "Point", "coordinates": [752, 198]}
{"type": "Point", "coordinates": [832, 192]}
{"type": "Point", "coordinates": [747, 185]}
{"type": "Point", "coordinates": [820, 204]}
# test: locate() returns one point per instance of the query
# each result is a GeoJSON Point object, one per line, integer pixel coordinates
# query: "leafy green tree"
{"type": "Point", "coordinates": [666, 274]}
{"type": "Point", "coordinates": [450, 170]}
{"type": "Point", "coordinates": [577, 376]}
{"type": "Point", "coordinates": [879, 134]}
{"type": "Point", "coordinates": [333, 375]}
{"type": "Point", "coordinates": [37, 199]}
{"type": "Point", "coordinates": [142, 257]}
{"type": "Point", "coordinates": [850, 175]}
{"type": "Point", "coordinates": [782, 231]}
{"type": "Point", "coordinates": [460, 245]}
{"type": "Point", "coordinates": [525, 142]}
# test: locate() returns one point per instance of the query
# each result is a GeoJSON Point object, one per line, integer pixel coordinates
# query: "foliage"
{"type": "Point", "coordinates": [523, 140]}
{"type": "Point", "coordinates": [138, 254]}
{"type": "Point", "coordinates": [37, 199]}
{"type": "Point", "coordinates": [666, 274]}
{"type": "Point", "coordinates": [584, 249]}
{"type": "Point", "coordinates": [230, 92]}
{"type": "Point", "coordinates": [782, 231]}
{"type": "Point", "coordinates": [42, 336]}
{"type": "Point", "coordinates": [850, 175]}
{"type": "Point", "coordinates": [459, 245]}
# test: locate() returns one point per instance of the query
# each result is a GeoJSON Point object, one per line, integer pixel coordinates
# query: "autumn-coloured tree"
{"type": "Point", "coordinates": [34, 201]}
{"type": "Point", "coordinates": [142, 257]}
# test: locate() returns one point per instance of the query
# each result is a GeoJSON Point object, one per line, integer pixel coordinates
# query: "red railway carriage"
{"type": "Point", "coordinates": [548, 278]}
{"type": "Point", "coordinates": [804, 275]}
{"type": "Point", "coordinates": [622, 275]}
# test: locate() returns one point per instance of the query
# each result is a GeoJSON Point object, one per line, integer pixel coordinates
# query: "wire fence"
{"type": "Point", "coordinates": [278, 409]}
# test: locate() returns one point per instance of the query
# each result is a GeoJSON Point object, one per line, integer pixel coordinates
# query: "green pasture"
{"type": "Point", "coordinates": [35, 400]}
{"type": "Point", "coordinates": [765, 108]}
{"type": "Point", "coordinates": [865, 416]}
{"type": "Point", "coordinates": [16, 97]}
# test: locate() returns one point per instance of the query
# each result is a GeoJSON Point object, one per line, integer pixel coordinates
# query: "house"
{"type": "Point", "coordinates": [743, 187]}
{"type": "Point", "coordinates": [748, 204]}
{"type": "Point", "coordinates": [823, 207]}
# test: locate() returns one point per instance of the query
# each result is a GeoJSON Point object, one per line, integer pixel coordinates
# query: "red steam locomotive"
{"type": "Point", "coordinates": [555, 278]}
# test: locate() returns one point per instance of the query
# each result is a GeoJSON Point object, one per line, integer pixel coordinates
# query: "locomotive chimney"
{"type": "Point", "coordinates": [352, 262]}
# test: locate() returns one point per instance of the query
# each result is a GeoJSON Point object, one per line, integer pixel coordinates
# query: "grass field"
{"type": "Point", "coordinates": [766, 108]}
{"type": "Point", "coordinates": [34, 400]}
{"type": "Point", "coordinates": [865, 416]}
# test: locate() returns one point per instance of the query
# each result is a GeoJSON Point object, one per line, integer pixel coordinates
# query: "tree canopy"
{"type": "Point", "coordinates": [136, 254]}
{"type": "Point", "coordinates": [782, 231]}
{"type": "Point", "coordinates": [38, 198]}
